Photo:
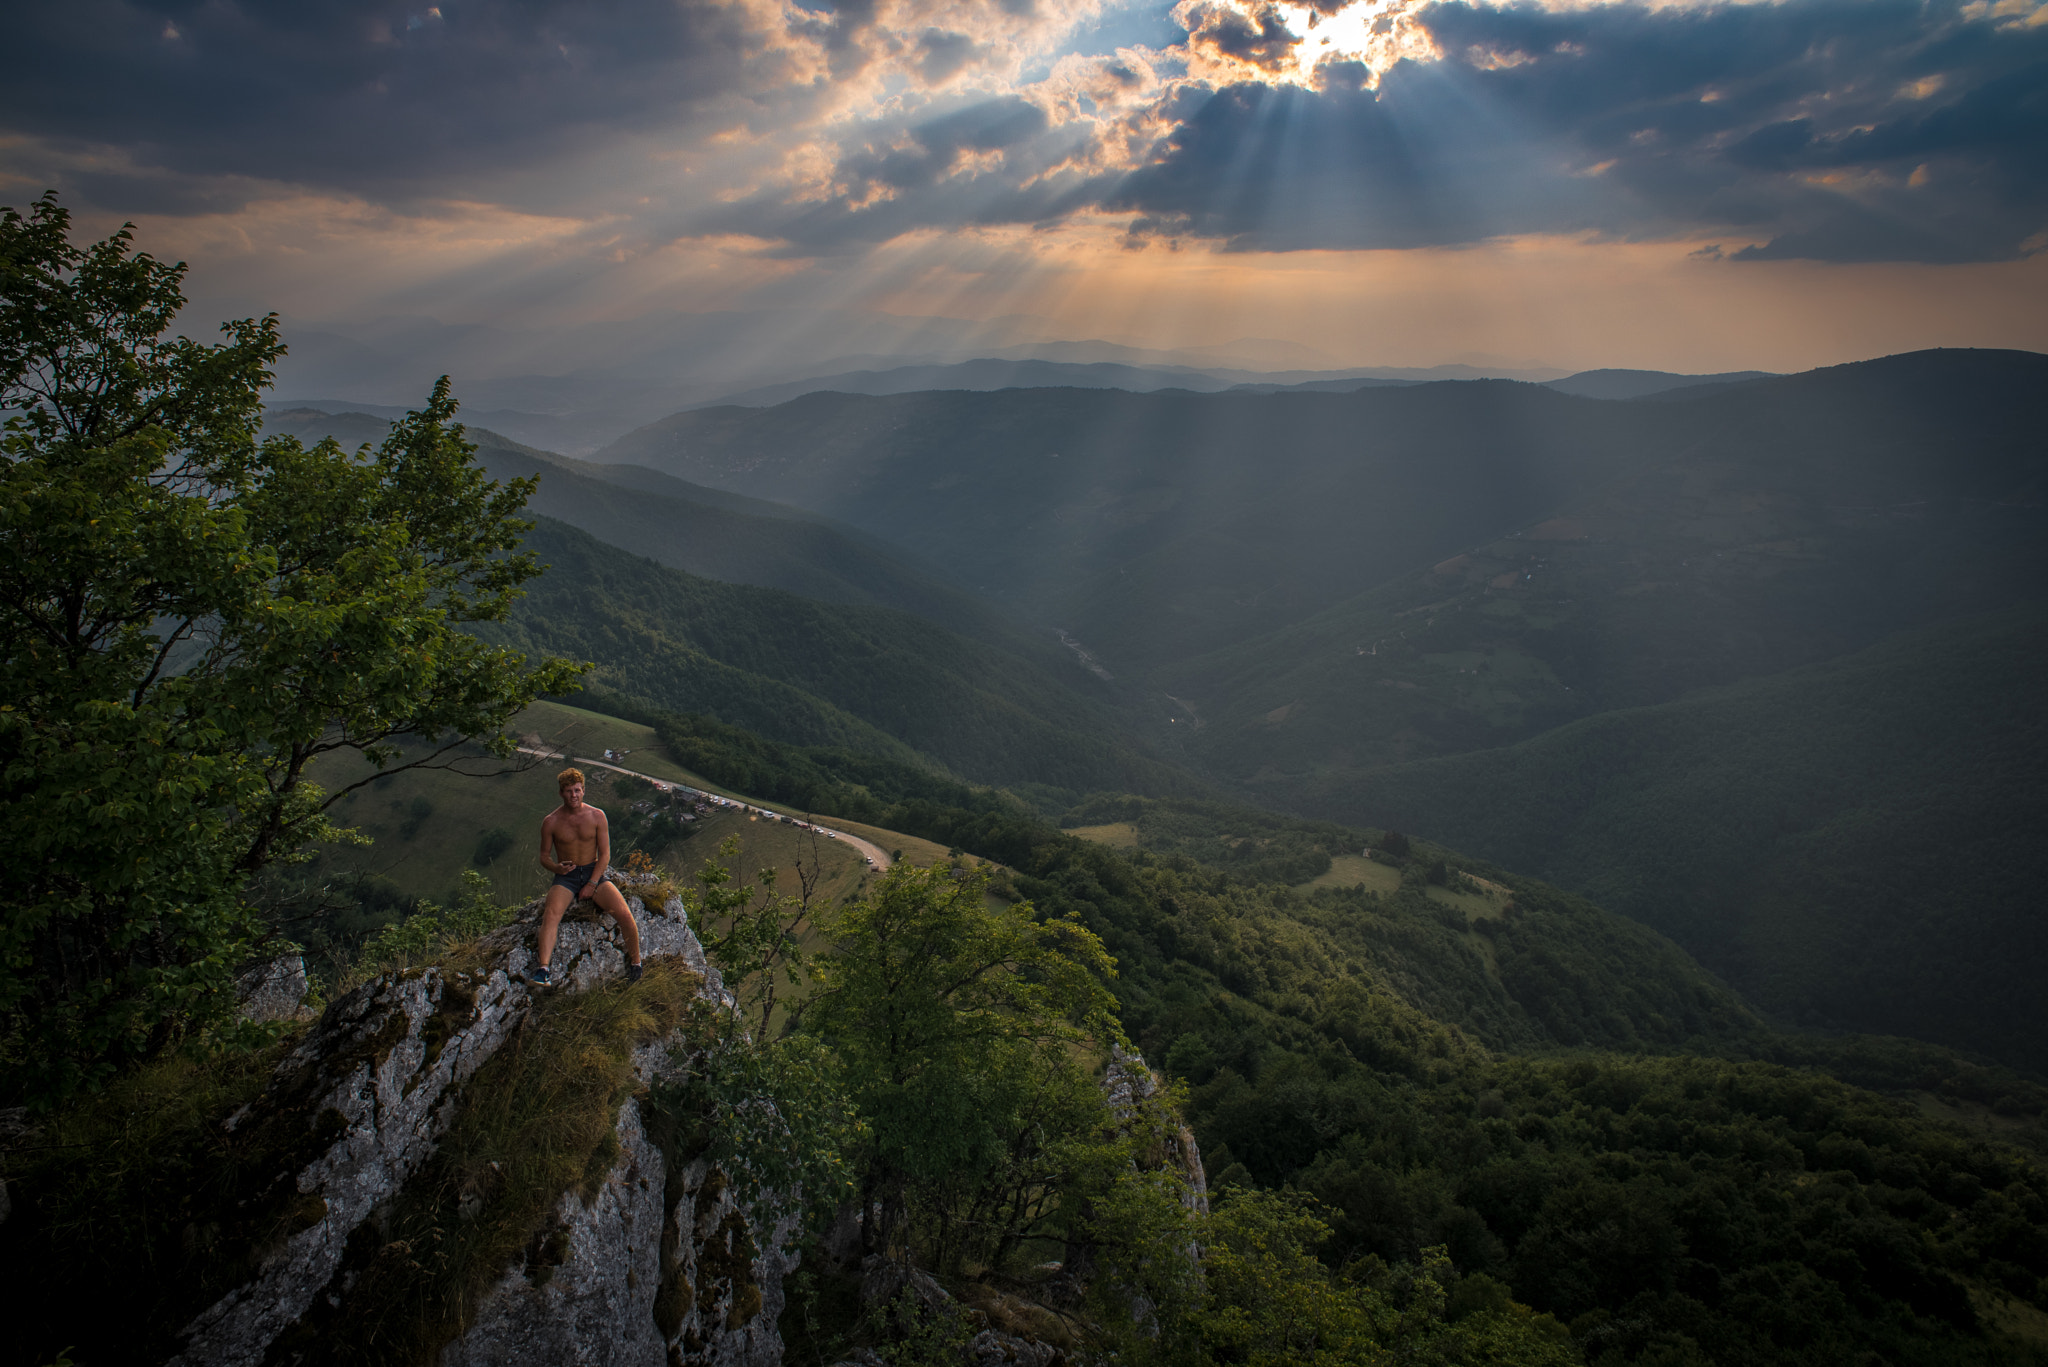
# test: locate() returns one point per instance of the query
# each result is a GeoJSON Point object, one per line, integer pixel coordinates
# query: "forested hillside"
{"type": "Point", "coordinates": [1630, 771]}
{"type": "Point", "coordinates": [1854, 844]}
{"type": "Point", "coordinates": [1443, 1048]}
{"type": "Point", "coordinates": [711, 532]}
{"type": "Point", "coordinates": [1811, 847]}
{"type": "Point", "coordinates": [1806, 517]}
{"type": "Point", "coordinates": [817, 673]}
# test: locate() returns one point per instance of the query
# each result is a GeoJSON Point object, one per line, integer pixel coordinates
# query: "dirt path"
{"type": "Point", "coordinates": [878, 856]}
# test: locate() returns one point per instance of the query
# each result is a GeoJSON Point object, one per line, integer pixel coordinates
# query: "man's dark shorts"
{"type": "Point", "coordinates": [576, 878]}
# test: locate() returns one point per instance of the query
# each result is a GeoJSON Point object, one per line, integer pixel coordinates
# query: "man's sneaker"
{"type": "Point", "coordinates": [633, 972]}
{"type": "Point", "coordinates": [543, 976]}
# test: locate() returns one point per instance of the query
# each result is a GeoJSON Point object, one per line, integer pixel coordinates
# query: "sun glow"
{"type": "Point", "coordinates": [1288, 42]}
{"type": "Point", "coordinates": [1374, 33]}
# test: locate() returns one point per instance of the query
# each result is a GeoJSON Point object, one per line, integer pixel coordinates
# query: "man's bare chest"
{"type": "Point", "coordinates": [579, 830]}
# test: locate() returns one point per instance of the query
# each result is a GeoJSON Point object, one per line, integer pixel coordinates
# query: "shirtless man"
{"type": "Point", "coordinates": [576, 847]}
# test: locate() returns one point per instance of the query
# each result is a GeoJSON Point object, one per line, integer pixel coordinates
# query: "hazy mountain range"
{"type": "Point", "coordinates": [1481, 610]}
{"type": "Point", "coordinates": [574, 389]}
{"type": "Point", "coordinates": [578, 413]}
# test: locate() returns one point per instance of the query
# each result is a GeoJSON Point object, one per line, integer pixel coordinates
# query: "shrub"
{"type": "Point", "coordinates": [416, 813]}
{"type": "Point", "coordinates": [490, 845]}
{"type": "Point", "coordinates": [427, 933]}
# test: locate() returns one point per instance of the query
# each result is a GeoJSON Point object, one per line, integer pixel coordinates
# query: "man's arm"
{"type": "Point", "coordinates": [547, 844]}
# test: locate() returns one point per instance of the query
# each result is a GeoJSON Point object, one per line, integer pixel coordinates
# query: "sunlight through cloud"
{"type": "Point", "coordinates": [1286, 42]}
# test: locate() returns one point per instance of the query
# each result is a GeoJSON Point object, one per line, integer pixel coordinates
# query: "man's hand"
{"type": "Point", "coordinates": [589, 891]}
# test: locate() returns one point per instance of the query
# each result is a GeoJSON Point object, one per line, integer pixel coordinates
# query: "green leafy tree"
{"type": "Point", "coordinates": [753, 933]}
{"type": "Point", "coordinates": [193, 616]}
{"type": "Point", "coordinates": [959, 1025]}
{"type": "Point", "coordinates": [770, 1109]}
{"type": "Point", "coordinates": [1268, 1301]}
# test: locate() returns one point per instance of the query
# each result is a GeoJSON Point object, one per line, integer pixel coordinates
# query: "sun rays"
{"type": "Point", "coordinates": [1396, 181]}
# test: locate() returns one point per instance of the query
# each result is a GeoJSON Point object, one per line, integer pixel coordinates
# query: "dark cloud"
{"type": "Point", "coordinates": [1261, 38]}
{"type": "Point", "coordinates": [1849, 130]}
{"type": "Point", "coordinates": [1282, 168]}
{"type": "Point", "coordinates": [380, 99]}
{"type": "Point", "coordinates": [942, 54]}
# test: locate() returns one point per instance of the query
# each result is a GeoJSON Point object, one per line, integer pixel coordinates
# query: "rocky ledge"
{"type": "Point", "coordinates": [659, 1269]}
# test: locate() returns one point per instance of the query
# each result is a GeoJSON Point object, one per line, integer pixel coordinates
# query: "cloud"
{"type": "Point", "coordinates": [1822, 129]}
{"type": "Point", "coordinates": [955, 162]}
{"type": "Point", "coordinates": [1876, 130]}
{"type": "Point", "coordinates": [506, 100]}
{"type": "Point", "coordinates": [1257, 38]}
{"type": "Point", "coordinates": [944, 54]}
{"type": "Point", "coordinates": [1832, 130]}
{"type": "Point", "coordinates": [385, 101]}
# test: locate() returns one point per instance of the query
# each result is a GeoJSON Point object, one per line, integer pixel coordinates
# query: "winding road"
{"type": "Point", "coordinates": [875, 853]}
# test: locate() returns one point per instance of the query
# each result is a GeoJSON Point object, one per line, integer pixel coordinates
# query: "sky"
{"type": "Point", "coordinates": [1686, 186]}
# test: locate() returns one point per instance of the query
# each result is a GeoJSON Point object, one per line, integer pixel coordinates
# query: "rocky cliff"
{"type": "Point", "coordinates": [647, 1261]}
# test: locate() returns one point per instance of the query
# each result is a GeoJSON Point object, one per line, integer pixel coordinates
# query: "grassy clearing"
{"type": "Point", "coordinates": [772, 845]}
{"type": "Point", "coordinates": [427, 826]}
{"type": "Point", "coordinates": [1977, 1118]}
{"type": "Point", "coordinates": [1350, 870]}
{"type": "Point", "coordinates": [1121, 835]}
{"type": "Point", "coordinates": [1493, 683]}
{"type": "Point", "coordinates": [581, 732]}
{"type": "Point", "coordinates": [1473, 904]}
{"type": "Point", "coordinates": [536, 1121]}
{"type": "Point", "coordinates": [841, 874]}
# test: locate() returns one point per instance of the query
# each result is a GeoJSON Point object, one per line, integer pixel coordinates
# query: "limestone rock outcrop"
{"type": "Point", "coordinates": [274, 991]}
{"type": "Point", "coordinates": [1128, 1082]}
{"type": "Point", "coordinates": [661, 1268]}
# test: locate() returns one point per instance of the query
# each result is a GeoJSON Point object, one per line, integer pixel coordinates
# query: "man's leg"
{"type": "Point", "coordinates": [551, 920]}
{"type": "Point", "coordinates": [614, 903]}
